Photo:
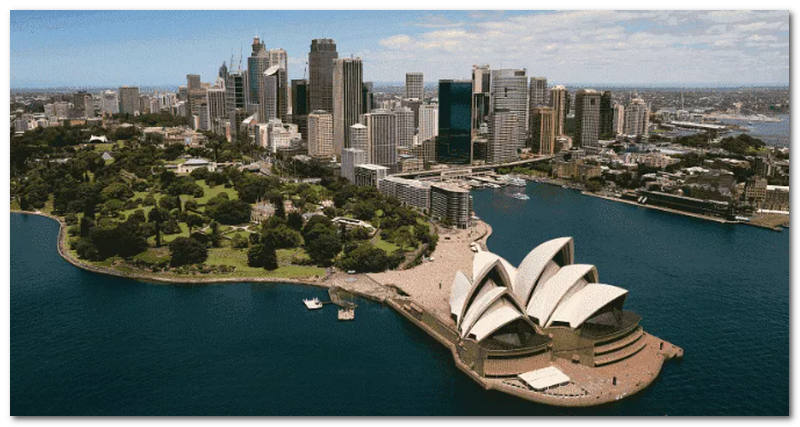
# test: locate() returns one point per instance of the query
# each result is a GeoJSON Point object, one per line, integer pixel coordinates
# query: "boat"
{"type": "Point", "coordinates": [312, 304]}
{"type": "Point", "coordinates": [346, 314]}
{"type": "Point", "coordinates": [517, 182]}
{"type": "Point", "coordinates": [520, 196]}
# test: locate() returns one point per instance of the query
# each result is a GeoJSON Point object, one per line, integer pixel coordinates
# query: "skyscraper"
{"type": "Point", "coordinates": [538, 92]}
{"type": "Point", "coordinates": [223, 72]}
{"type": "Point", "coordinates": [453, 144]}
{"type": "Point", "coordinates": [606, 115]}
{"type": "Point", "coordinates": [352, 157]}
{"type": "Point", "coordinates": [359, 139]}
{"type": "Point", "coordinates": [269, 92]}
{"type": "Point", "coordinates": [587, 118]}
{"type": "Point", "coordinates": [110, 103]}
{"type": "Point", "coordinates": [414, 86]}
{"type": "Point", "coordinates": [347, 83]}
{"type": "Point", "coordinates": [382, 137]}
{"type": "Point", "coordinates": [509, 101]}
{"type": "Point", "coordinates": [428, 122]}
{"type": "Point", "coordinates": [405, 127]}
{"type": "Point", "coordinates": [192, 82]}
{"type": "Point", "coordinates": [257, 63]}
{"type": "Point", "coordinates": [300, 105]}
{"type": "Point", "coordinates": [558, 100]}
{"type": "Point", "coordinates": [235, 96]}
{"type": "Point", "coordinates": [320, 134]}
{"type": "Point", "coordinates": [542, 127]}
{"type": "Point", "coordinates": [279, 58]}
{"type": "Point", "coordinates": [481, 79]}
{"type": "Point", "coordinates": [367, 98]}
{"type": "Point", "coordinates": [128, 100]}
{"type": "Point", "coordinates": [618, 126]}
{"type": "Point", "coordinates": [637, 118]}
{"type": "Point", "coordinates": [320, 74]}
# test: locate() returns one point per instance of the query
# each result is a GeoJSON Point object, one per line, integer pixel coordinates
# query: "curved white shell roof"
{"type": "Point", "coordinates": [499, 314]}
{"type": "Point", "coordinates": [549, 294]}
{"type": "Point", "coordinates": [458, 293]}
{"type": "Point", "coordinates": [585, 303]}
{"type": "Point", "coordinates": [479, 306]}
{"type": "Point", "coordinates": [534, 264]}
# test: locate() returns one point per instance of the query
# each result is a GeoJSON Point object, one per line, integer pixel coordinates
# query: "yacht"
{"type": "Point", "coordinates": [517, 182]}
{"type": "Point", "coordinates": [521, 196]}
{"type": "Point", "coordinates": [313, 303]}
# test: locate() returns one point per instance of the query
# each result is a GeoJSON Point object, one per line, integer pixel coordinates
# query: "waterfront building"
{"type": "Point", "coordinates": [320, 74]}
{"type": "Point", "coordinates": [129, 100]}
{"type": "Point", "coordinates": [453, 145]}
{"type": "Point", "coordinates": [777, 198]}
{"type": "Point", "coordinates": [637, 118]}
{"type": "Point", "coordinates": [415, 88]}
{"type": "Point", "coordinates": [451, 204]}
{"type": "Point", "coordinates": [257, 63]}
{"type": "Point", "coordinates": [481, 79]}
{"type": "Point", "coordinates": [428, 122]}
{"type": "Point", "coordinates": [320, 134]}
{"type": "Point", "coordinates": [542, 130]}
{"type": "Point", "coordinates": [382, 137]}
{"type": "Point", "coordinates": [559, 100]}
{"type": "Point", "coordinates": [405, 127]}
{"type": "Point", "coordinates": [352, 157]}
{"type": "Point", "coordinates": [606, 115]}
{"type": "Point", "coordinates": [587, 118]}
{"type": "Point", "coordinates": [506, 136]}
{"type": "Point", "coordinates": [409, 192]}
{"type": "Point", "coordinates": [347, 85]}
{"type": "Point", "coordinates": [755, 191]}
{"type": "Point", "coordinates": [369, 174]}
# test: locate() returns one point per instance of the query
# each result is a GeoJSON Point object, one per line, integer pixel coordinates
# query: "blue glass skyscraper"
{"type": "Point", "coordinates": [453, 143]}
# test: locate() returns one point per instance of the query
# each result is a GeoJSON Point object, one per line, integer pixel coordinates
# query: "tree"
{"type": "Point", "coordinates": [214, 235]}
{"type": "Point", "coordinates": [323, 248]}
{"type": "Point", "coordinates": [295, 220]}
{"type": "Point", "coordinates": [186, 250]}
{"type": "Point", "coordinates": [262, 255]}
{"type": "Point", "coordinates": [158, 216]}
{"type": "Point", "coordinates": [229, 212]}
{"type": "Point", "coordinates": [282, 237]}
{"type": "Point", "coordinates": [365, 258]}
{"type": "Point", "coordinates": [193, 220]}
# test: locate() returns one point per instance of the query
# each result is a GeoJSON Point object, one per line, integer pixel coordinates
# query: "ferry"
{"type": "Point", "coordinates": [520, 196]}
{"type": "Point", "coordinates": [313, 303]}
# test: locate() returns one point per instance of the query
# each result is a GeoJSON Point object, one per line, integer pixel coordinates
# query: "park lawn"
{"type": "Point", "coordinates": [166, 238]}
{"type": "Point", "coordinates": [153, 256]}
{"type": "Point", "coordinates": [387, 246]}
{"type": "Point", "coordinates": [238, 259]}
{"type": "Point", "coordinates": [100, 147]}
{"type": "Point", "coordinates": [210, 192]}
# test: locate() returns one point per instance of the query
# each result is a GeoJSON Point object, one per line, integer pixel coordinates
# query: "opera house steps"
{"type": "Point", "coordinates": [617, 344]}
{"type": "Point", "coordinates": [621, 353]}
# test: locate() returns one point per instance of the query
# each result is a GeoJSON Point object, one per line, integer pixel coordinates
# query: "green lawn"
{"type": "Point", "coordinates": [238, 259]}
{"type": "Point", "coordinates": [387, 247]}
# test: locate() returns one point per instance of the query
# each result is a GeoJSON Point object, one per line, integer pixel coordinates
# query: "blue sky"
{"type": "Point", "coordinates": [152, 48]}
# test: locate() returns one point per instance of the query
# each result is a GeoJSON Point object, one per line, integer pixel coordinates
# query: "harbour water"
{"type": "Point", "coordinates": [773, 133]}
{"type": "Point", "coordinates": [87, 344]}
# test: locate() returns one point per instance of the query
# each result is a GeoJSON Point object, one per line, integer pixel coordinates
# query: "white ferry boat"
{"type": "Point", "coordinates": [313, 303]}
{"type": "Point", "coordinates": [520, 196]}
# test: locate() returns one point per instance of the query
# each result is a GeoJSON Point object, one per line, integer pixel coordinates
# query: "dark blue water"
{"type": "Point", "coordinates": [85, 344]}
{"type": "Point", "coordinates": [773, 133]}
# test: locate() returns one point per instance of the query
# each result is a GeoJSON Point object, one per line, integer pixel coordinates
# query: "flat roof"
{"type": "Point", "coordinates": [541, 379]}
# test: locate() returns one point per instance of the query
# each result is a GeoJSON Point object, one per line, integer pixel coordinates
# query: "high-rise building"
{"type": "Point", "coordinates": [300, 105]}
{"type": "Point", "coordinates": [606, 115]}
{"type": "Point", "coordinates": [587, 118]}
{"type": "Point", "coordinates": [481, 79]}
{"type": "Point", "coordinates": [193, 82]}
{"type": "Point", "coordinates": [453, 145]}
{"type": "Point", "coordinates": [279, 58]}
{"type": "Point", "coordinates": [110, 103]}
{"type": "Point", "coordinates": [216, 101]}
{"type": "Point", "coordinates": [542, 130]}
{"type": "Point", "coordinates": [129, 100]}
{"type": "Point", "coordinates": [618, 125]}
{"type": "Point", "coordinates": [415, 86]}
{"type": "Point", "coordinates": [428, 122]}
{"type": "Point", "coordinates": [235, 91]}
{"type": "Point", "coordinates": [558, 100]}
{"type": "Point", "coordinates": [367, 98]}
{"type": "Point", "coordinates": [257, 63]}
{"type": "Point", "coordinates": [538, 92]}
{"type": "Point", "coordinates": [637, 118]}
{"type": "Point", "coordinates": [359, 139]}
{"type": "Point", "coordinates": [451, 204]}
{"type": "Point", "coordinates": [352, 157]}
{"type": "Point", "coordinates": [320, 134]}
{"type": "Point", "coordinates": [506, 136]}
{"type": "Point", "coordinates": [509, 102]}
{"type": "Point", "coordinates": [368, 174]}
{"type": "Point", "coordinates": [320, 74]}
{"type": "Point", "coordinates": [405, 127]}
{"type": "Point", "coordinates": [382, 137]}
{"type": "Point", "coordinates": [347, 83]}
{"type": "Point", "coordinates": [269, 94]}
{"type": "Point", "coordinates": [223, 72]}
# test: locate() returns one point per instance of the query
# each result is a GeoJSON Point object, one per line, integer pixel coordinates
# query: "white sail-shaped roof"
{"type": "Point", "coordinates": [549, 294]}
{"type": "Point", "coordinates": [499, 314]}
{"type": "Point", "coordinates": [458, 293]}
{"type": "Point", "coordinates": [585, 303]}
{"type": "Point", "coordinates": [532, 266]}
{"type": "Point", "coordinates": [479, 307]}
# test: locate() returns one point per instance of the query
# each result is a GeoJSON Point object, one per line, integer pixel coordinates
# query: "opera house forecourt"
{"type": "Point", "coordinates": [548, 331]}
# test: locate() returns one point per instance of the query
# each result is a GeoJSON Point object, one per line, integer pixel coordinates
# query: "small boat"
{"type": "Point", "coordinates": [520, 196]}
{"type": "Point", "coordinates": [346, 314]}
{"type": "Point", "coordinates": [313, 303]}
{"type": "Point", "coordinates": [517, 182]}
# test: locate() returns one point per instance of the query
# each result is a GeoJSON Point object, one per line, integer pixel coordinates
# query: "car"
{"type": "Point", "coordinates": [351, 272]}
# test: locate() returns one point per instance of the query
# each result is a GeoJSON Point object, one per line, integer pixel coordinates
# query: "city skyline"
{"type": "Point", "coordinates": [688, 48]}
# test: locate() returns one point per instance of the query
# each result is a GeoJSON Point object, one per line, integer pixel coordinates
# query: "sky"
{"type": "Point", "coordinates": [644, 48]}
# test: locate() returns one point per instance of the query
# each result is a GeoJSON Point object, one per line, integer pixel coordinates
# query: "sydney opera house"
{"type": "Point", "coordinates": [549, 330]}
